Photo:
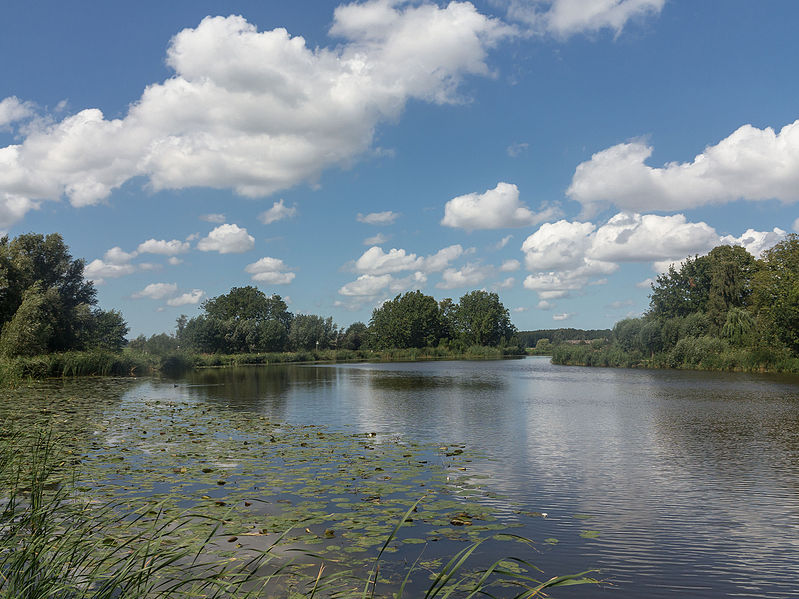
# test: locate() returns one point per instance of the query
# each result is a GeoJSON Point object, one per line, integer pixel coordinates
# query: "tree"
{"type": "Point", "coordinates": [45, 299]}
{"type": "Point", "coordinates": [355, 336]}
{"type": "Point", "coordinates": [731, 272]}
{"type": "Point", "coordinates": [776, 290]}
{"type": "Point", "coordinates": [243, 320]}
{"type": "Point", "coordinates": [309, 331]}
{"type": "Point", "coordinates": [679, 292]}
{"type": "Point", "coordinates": [481, 319]}
{"type": "Point", "coordinates": [245, 303]}
{"type": "Point", "coordinates": [409, 320]}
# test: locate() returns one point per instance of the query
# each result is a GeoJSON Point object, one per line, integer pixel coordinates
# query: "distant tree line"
{"type": "Point", "coordinates": [46, 306]}
{"type": "Point", "coordinates": [554, 336]}
{"type": "Point", "coordinates": [247, 320]}
{"type": "Point", "coordinates": [724, 310]}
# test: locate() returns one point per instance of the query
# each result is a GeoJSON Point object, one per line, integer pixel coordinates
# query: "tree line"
{"type": "Point", "coordinates": [723, 310]}
{"type": "Point", "coordinates": [247, 320]}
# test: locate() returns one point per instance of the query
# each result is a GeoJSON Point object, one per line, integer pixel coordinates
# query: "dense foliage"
{"type": "Point", "coordinates": [246, 320]}
{"type": "Point", "coordinates": [725, 310]}
{"type": "Point", "coordinates": [45, 303]}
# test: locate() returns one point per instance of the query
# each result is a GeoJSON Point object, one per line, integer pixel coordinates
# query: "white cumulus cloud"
{"type": "Point", "coordinates": [278, 211]}
{"type": "Point", "coordinates": [215, 218]}
{"type": "Point", "coordinates": [270, 270]}
{"type": "Point", "coordinates": [378, 218]}
{"type": "Point", "coordinates": [564, 18]}
{"type": "Point", "coordinates": [469, 275]}
{"type": "Point", "coordinates": [189, 298]}
{"type": "Point", "coordinates": [164, 247]}
{"type": "Point", "coordinates": [227, 239]}
{"type": "Point", "coordinates": [751, 164]}
{"type": "Point", "coordinates": [12, 109]}
{"type": "Point", "coordinates": [378, 239]}
{"type": "Point", "coordinates": [366, 286]}
{"type": "Point", "coordinates": [496, 208]}
{"type": "Point", "coordinates": [564, 316]}
{"type": "Point", "coordinates": [255, 111]}
{"type": "Point", "coordinates": [157, 291]}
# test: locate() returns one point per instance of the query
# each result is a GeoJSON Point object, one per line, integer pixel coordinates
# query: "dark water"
{"type": "Point", "coordinates": [689, 480]}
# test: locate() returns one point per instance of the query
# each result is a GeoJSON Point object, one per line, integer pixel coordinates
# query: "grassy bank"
{"type": "Point", "coordinates": [137, 363]}
{"type": "Point", "coordinates": [695, 353]}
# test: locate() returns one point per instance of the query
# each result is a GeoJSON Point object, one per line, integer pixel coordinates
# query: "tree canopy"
{"type": "Point", "coordinates": [45, 303]}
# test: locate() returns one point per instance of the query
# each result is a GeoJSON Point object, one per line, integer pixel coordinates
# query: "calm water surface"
{"type": "Point", "coordinates": [690, 480]}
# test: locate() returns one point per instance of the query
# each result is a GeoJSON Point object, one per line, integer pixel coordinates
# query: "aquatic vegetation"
{"type": "Point", "coordinates": [127, 497]}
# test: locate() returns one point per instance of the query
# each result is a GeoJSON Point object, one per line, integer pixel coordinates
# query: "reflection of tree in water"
{"type": "Point", "coordinates": [403, 381]}
{"type": "Point", "coordinates": [72, 408]}
{"type": "Point", "coordinates": [255, 387]}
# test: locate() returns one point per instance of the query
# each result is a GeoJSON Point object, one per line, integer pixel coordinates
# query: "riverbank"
{"type": "Point", "coordinates": [137, 363]}
{"type": "Point", "coordinates": [701, 353]}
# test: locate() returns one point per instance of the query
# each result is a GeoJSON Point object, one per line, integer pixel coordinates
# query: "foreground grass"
{"type": "Point", "coordinates": [57, 542]}
{"type": "Point", "coordinates": [137, 363]}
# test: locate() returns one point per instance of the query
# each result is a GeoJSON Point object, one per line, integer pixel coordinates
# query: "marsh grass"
{"type": "Point", "coordinates": [56, 542]}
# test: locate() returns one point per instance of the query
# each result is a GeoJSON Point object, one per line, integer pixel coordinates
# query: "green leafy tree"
{"type": "Point", "coordinates": [248, 303]}
{"type": "Point", "coordinates": [355, 336]}
{"type": "Point", "coordinates": [42, 289]}
{"type": "Point", "coordinates": [29, 331]}
{"type": "Point", "coordinates": [738, 327]}
{"type": "Point", "coordinates": [776, 290]}
{"type": "Point", "coordinates": [731, 271]}
{"type": "Point", "coordinates": [481, 319]}
{"type": "Point", "coordinates": [679, 292]}
{"type": "Point", "coordinates": [409, 320]}
{"type": "Point", "coordinates": [309, 331]}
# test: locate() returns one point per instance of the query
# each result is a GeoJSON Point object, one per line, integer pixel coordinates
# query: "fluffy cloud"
{"type": "Point", "coordinates": [563, 18]}
{"type": "Point", "coordinates": [441, 259]}
{"type": "Point", "coordinates": [157, 291]}
{"type": "Point", "coordinates": [505, 283]}
{"type": "Point", "coordinates": [227, 239]}
{"type": "Point", "coordinates": [756, 242]}
{"type": "Point", "coordinates": [375, 261]}
{"type": "Point", "coordinates": [564, 316]}
{"type": "Point", "coordinates": [270, 270]}
{"type": "Point", "coordinates": [378, 218]}
{"type": "Point", "coordinates": [254, 111]}
{"type": "Point", "coordinates": [277, 212]}
{"type": "Point", "coordinates": [567, 256]}
{"type": "Point", "coordinates": [12, 109]}
{"type": "Point", "coordinates": [189, 298]}
{"type": "Point", "coordinates": [510, 265]}
{"type": "Point", "coordinates": [366, 286]}
{"type": "Point", "coordinates": [751, 164]}
{"type": "Point", "coordinates": [163, 247]}
{"type": "Point", "coordinates": [560, 245]}
{"type": "Point", "coordinates": [637, 238]}
{"type": "Point", "coordinates": [376, 240]}
{"type": "Point", "coordinates": [494, 209]}
{"type": "Point", "coordinates": [217, 219]}
{"type": "Point", "coordinates": [114, 264]}
{"type": "Point", "coordinates": [469, 275]}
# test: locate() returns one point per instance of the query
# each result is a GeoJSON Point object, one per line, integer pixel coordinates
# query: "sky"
{"type": "Point", "coordinates": [560, 153]}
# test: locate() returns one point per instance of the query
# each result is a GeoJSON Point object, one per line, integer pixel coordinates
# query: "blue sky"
{"type": "Point", "coordinates": [559, 152]}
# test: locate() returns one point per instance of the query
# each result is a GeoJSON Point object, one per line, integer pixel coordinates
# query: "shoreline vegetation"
{"type": "Point", "coordinates": [726, 310]}
{"type": "Point", "coordinates": [723, 311]}
{"type": "Point", "coordinates": [130, 362]}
